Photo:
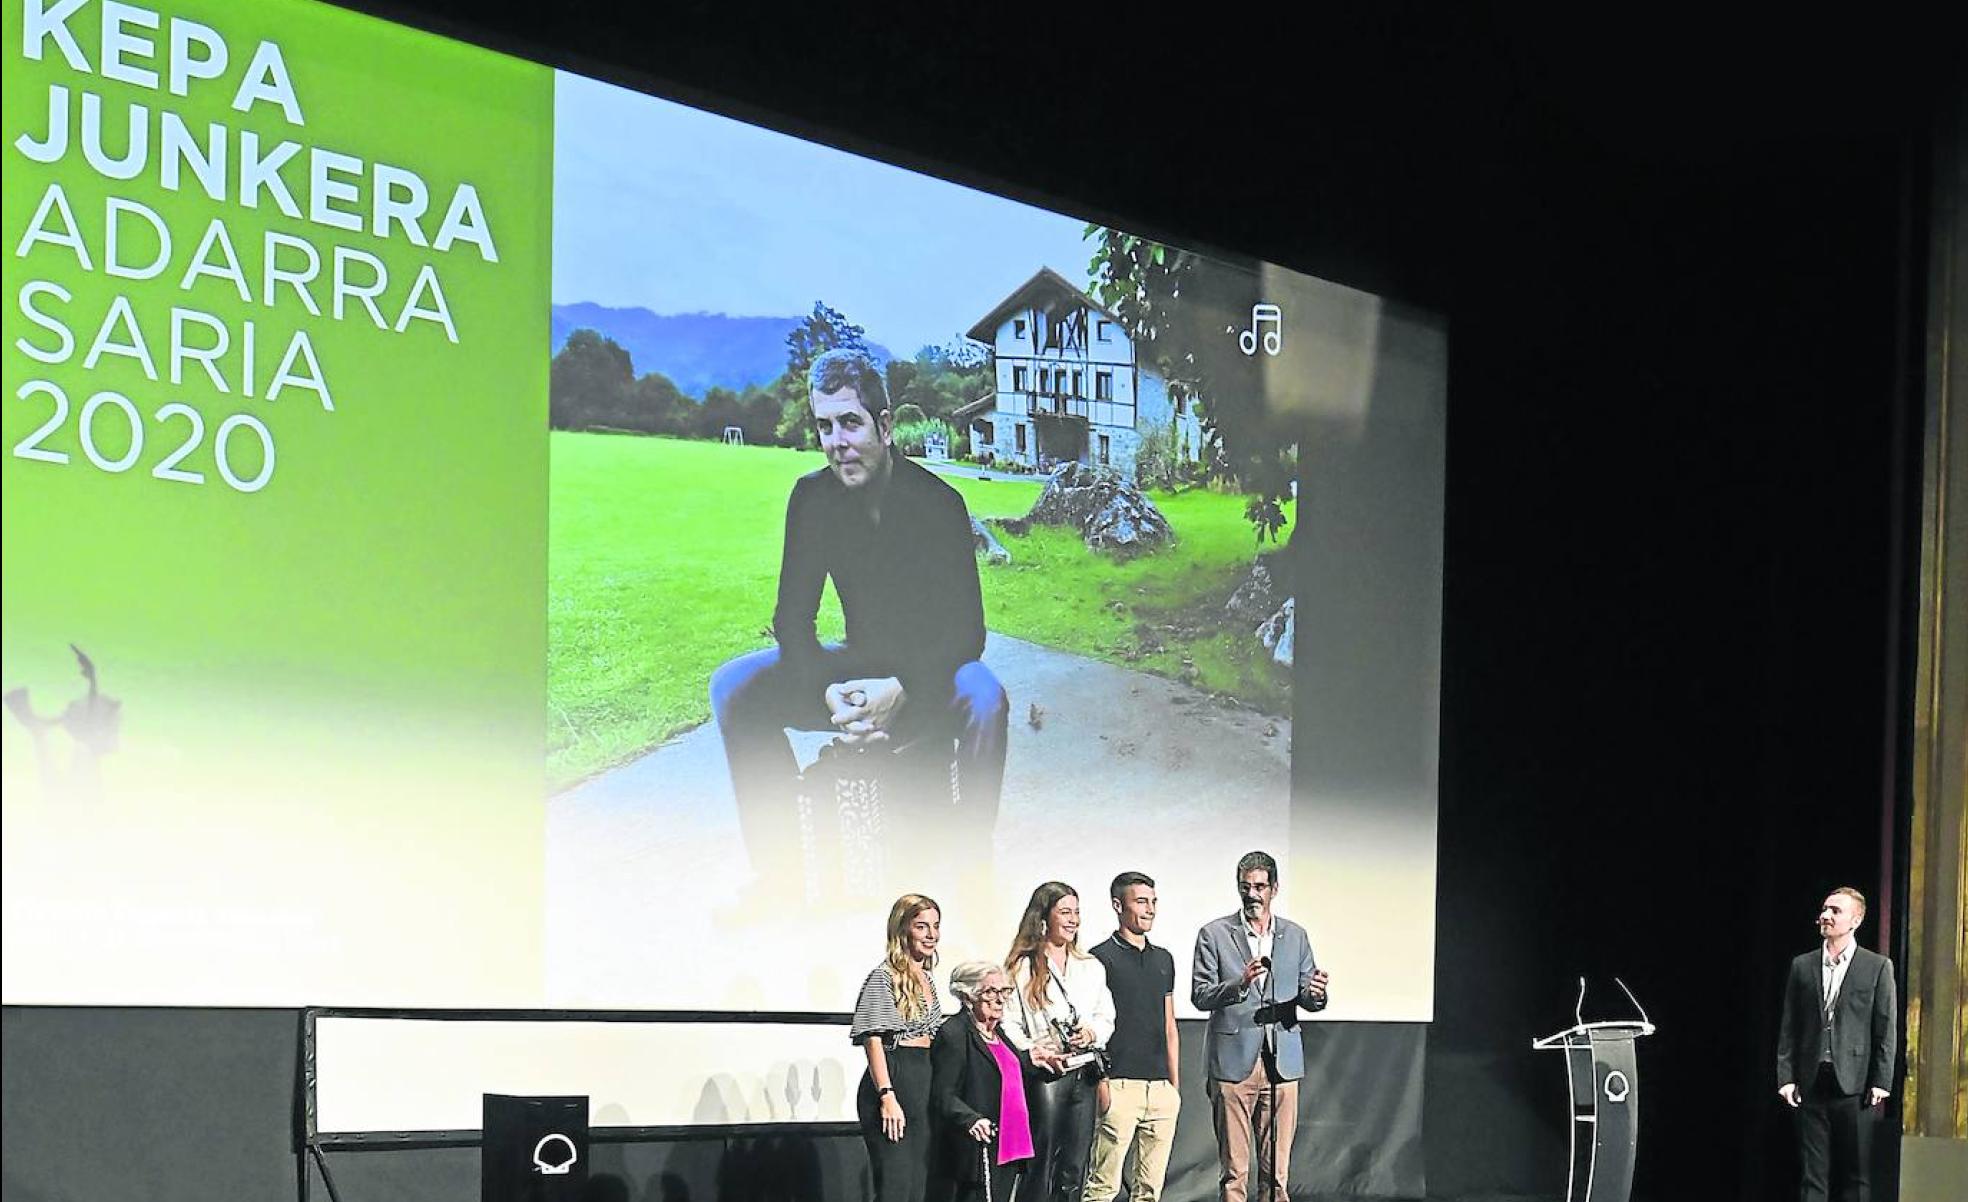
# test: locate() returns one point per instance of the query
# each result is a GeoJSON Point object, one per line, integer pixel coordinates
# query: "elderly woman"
{"type": "Point", "coordinates": [977, 1092]}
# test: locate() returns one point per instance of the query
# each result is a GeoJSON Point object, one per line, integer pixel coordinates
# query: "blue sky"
{"type": "Point", "coordinates": [678, 211]}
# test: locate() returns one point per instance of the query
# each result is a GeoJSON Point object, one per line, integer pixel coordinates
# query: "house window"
{"type": "Point", "coordinates": [1021, 438]}
{"type": "Point", "coordinates": [1045, 380]}
{"type": "Point", "coordinates": [985, 433]}
{"type": "Point", "coordinates": [1106, 450]}
{"type": "Point", "coordinates": [1103, 386]}
{"type": "Point", "coordinates": [1018, 379]}
{"type": "Point", "coordinates": [1103, 330]}
{"type": "Point", "coordinates": [1077, 390]}
{"type": "Point", "coordinates": [1052, 335]}
{"type": "Point", "coordinates": [1018, 327]}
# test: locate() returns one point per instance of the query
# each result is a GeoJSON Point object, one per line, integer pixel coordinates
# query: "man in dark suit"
{"type": "Point", "coordinates": [1836, 1051]}
{"type": "Point", "coordinates": [1253, 971]}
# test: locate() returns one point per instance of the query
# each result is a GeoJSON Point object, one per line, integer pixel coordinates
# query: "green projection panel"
{"type": "Point", "coordinates": [275, 381]}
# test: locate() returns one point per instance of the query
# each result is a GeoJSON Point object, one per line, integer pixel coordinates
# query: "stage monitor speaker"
{"type": "Point", "coordinates": [534, 1149]}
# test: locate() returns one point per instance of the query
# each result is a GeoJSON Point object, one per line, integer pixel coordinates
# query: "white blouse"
{"type": "Point", "coordinates": [1081, 998]}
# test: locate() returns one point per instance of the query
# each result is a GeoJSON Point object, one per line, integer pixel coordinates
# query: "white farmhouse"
{"type": "Point", "coordinates": [1070, 385]}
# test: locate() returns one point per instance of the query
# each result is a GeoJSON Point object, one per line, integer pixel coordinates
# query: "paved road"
{"type": "Point", "coordinates": [649, 890]}
{"type": "Point", "coordinates": [950, 467]}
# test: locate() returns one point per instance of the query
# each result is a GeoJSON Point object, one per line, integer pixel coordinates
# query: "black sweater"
{"type": "Point", "coordinates": [907, 586]}
{"type": "Point", "coordinates": [965, 1085]}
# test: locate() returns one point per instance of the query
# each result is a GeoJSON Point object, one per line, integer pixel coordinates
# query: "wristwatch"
{"type": "Point", "coordinates": [886, 1089]}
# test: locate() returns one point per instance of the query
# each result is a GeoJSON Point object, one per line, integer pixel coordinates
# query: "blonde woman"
{"type": "Point", "coordinates": [894, 1020]}
{"type": "Point", "coordinates": [1060, 1007]}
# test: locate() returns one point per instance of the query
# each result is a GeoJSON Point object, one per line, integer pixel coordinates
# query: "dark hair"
{"type": "Point", "coordinates": [1126, 880]}
{"type": "Point", "coordinates": [1257, 859]}
{"type": "Point", "coordinates": [845, 368]}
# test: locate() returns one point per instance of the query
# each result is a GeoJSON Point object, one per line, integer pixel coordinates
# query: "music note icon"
{"type": "Point", "coordinates": [1274, 338]}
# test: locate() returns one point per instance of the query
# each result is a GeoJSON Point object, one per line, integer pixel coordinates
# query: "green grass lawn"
{"type": "Point", "coordinates": [663, 561]}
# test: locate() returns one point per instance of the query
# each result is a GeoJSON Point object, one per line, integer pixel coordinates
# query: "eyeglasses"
{"type": "Point", "coordinates": [993, 995]}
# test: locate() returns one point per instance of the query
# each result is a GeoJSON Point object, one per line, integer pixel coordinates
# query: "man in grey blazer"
{"type": "Point", "coordinates": [1837, 1051]}
{"type": "Point", "coordinates": [1252, 974]}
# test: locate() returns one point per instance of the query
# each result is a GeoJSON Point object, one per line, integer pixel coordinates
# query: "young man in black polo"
{"type": "Point", "coordinates": [1139, 1097]}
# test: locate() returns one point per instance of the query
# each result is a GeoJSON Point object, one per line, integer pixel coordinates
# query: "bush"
{"type": "Point", "coordinates": [1158, 463]}
{"type": "Point", "coordinates": [909, 436]}
{"type": "Point", "coordinates": [907, 414]}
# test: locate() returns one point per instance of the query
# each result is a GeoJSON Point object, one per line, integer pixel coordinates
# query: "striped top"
{"type": "Point", "coordinates": [875, 1012]}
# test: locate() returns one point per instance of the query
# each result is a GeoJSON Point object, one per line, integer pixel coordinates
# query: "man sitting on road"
{"type": "Point", "coordinates": [897, 543]}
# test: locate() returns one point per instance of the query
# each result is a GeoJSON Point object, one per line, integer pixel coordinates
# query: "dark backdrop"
{"type": "Point", "coordinates": [1675, 264]}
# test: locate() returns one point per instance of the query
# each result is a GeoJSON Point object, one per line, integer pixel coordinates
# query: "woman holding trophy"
{"type": "Point", "coordinates": [1060, 1009]}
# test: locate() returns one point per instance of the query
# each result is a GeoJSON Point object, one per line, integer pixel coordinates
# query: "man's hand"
{"type": "Point", "coordinates": [1316, 989]}
{"type": "Point", "coordinates": [1252, 972]}
{"type": "Point", "coordinates": [864, 710]}
{"type": "Point", "coordinates": [1875, 1096]}
{"type": "Point", "coordinates": [1103, 1096]}
{"type": "Point", "coordinates": [1788, 1092]}
{"type": "Point", "coordinates": [981, 1131]}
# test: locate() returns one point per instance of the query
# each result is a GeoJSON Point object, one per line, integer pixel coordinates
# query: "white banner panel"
{"type": "Point", "coordinates": [423, 1074]}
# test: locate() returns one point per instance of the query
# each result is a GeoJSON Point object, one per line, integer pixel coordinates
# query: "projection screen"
{"type": "Point", "coordinates": [406, 444]}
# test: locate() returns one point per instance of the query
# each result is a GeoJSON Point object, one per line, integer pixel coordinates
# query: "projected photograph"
{"type": "Point", "coordinates": [903, 538]}
{"type": "Point", "coordinates": [584, 551]}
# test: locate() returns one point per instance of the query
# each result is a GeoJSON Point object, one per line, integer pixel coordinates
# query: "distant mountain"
{"type": "Point", "coordinates": [698, 351]}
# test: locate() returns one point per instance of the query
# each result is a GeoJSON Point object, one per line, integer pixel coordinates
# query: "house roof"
{"type": "Point", "coordinates": [964, 413]}
{"type": "Point", "coordinates": [1045, 285]}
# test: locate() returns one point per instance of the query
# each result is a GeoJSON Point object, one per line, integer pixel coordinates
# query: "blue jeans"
{"type": "Point", "coordinates": [756, 697]}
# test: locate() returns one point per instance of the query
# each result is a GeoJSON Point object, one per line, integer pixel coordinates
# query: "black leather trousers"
{"type": "Point", "coordinates": [1063, 1115]}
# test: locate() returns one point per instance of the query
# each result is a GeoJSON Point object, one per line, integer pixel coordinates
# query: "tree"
{"type": "Point", "coordinates": [905, 382]}
{"type": "Point", "coordinates": [943, 379]}
{"type": "Point", "coordinates": [822, 330]}
{"type": "Point", "coordinates": [795, 425]}
{"type": "Point", "coordinates": [760, 410]}
{"type": "Point", "coordinates": [721, 408]}
{"type": "Point", "coordinates": [659, 406]}
{"type": "Point", "coordinates": [588, 383]}
{"type": "Point", "coordinates": [1176, 311]}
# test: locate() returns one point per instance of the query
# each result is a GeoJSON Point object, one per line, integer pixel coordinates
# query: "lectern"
{"type": "Point", "coordinates": [1605, 1081]}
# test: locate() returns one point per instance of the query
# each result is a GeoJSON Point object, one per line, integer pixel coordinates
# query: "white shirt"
{"type": "Point", "coordinates": [1260, 945]}
{"type": "Point", "coordinates": [1832, 973]}
{"type": "Point", "coordinates": [1082, 994]}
